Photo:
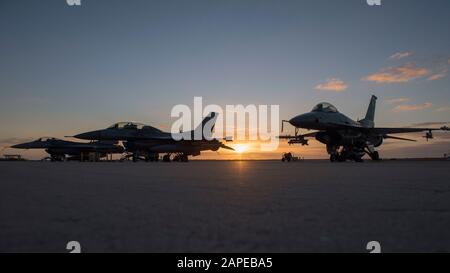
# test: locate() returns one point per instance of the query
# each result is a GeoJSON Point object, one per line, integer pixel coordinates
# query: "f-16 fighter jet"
{"type": "Point", "coordinates": [147, 142]}
{"type": "Point", "coordinates": [60, 150]}
{"type": "Point", "coordinates": [345, 138]}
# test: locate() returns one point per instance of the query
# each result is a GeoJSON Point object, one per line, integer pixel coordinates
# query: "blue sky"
{"type": "Point", "coordinates": [68, 69]}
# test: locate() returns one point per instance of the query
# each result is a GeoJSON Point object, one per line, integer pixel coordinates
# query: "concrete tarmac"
{"type": "Point", "coordinates": [225, 206]}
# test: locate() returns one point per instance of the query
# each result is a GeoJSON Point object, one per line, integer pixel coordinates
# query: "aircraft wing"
{"type": "Point", "coordinates": [385, 131]}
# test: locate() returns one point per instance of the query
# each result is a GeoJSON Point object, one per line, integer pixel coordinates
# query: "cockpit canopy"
{"type": "Point", "coordinates": [127, 125]}
{"type": "Point", "coordinates": [45, 139]}
{"type": "Point", "coordinates": [133, 126]}
{"type": "Point", "coordinates": [325, 107]}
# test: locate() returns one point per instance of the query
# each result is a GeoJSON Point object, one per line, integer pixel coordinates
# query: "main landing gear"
{"type": "Point", "coordinates": [138, 156]}
{"type": "Point", "coordinates": [151, 158]}
{"type": "Point", "coordinates": [375, 156]}
{"type": "Point", "coordinates": [370, 150]}
{"type": "Point", "coordinates": [55, 158]}
{"type": "Point", "coordinates": [154, 157]}
{"type": "Point", "coordinates": [353, 154]}
{"type": "Point", "coordinates": [343, 156]}
{"type": "Point", "coordinates": [179, 157]}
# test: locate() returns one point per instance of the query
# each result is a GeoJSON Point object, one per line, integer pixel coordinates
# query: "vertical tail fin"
{"type": "Point", "coordinates": [368, 121]}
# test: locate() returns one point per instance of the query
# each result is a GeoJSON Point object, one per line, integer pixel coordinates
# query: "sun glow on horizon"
{"type": "Point", "coordinates": [241, 148]}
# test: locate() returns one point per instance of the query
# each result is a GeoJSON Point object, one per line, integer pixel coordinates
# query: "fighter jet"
{"type": "Point", "coordinates": [147, 142]}
{"type": "Point", "coordinates": [345, 138]}
{"type": "Point", "coordinates": [61, 150]}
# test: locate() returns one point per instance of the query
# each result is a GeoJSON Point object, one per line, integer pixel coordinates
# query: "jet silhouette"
{"type": "Point", "coordinates": [345, 138]}
{"type": "Point", "coordinates": [60, 150]}
{"type": "Point", "coordinates": [147, 142]}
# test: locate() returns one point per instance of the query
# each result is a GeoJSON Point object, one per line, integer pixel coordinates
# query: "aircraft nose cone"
{"type": "Point", "coordinates": [26, 145]}
{"type": "Point", "coordinates": [19, 146]}
{"type": "Point", "coordinates": [300, 121]}
{"type": "Point", "coordinates": [93, 135]}
{"type": "Point", "coordinates": [293, 121]}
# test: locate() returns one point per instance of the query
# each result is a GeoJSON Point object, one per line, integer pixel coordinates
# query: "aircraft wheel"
{"type": "Point", "coordinates": [375, 156]}
{"type": "Point", "coordinates": [56, 158]}
{"type": "Point", "coordinates": [184, 158]}
{"type": "Point", "coordinates": [341, 157]}
{"type": "Point", "coordinates": [166, 158]}
{"type": "Point", "coordinates": [333, 157]}
{"type": "Point", "coordinates": [358, 159]}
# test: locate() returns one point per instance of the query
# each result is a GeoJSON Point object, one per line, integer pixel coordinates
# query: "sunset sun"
{"type": "Point", "coordinates": [241, 148]}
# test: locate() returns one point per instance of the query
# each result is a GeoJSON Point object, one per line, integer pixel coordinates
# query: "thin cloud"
{"type": "Point", "coordinates": [397, 100]}
{"type": "Point", "coordinates": [401, 55]}
{"type": "Point", "coordinates": [416, 107]}
{"type": "Point", "coordinates": [334, 84]}
{"type": "Point", "coordinates": [399, 74]}
{"type": "Point", "coordinates": [439, 75]}
{"type": "Point", "coordinates": [443, 109]}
